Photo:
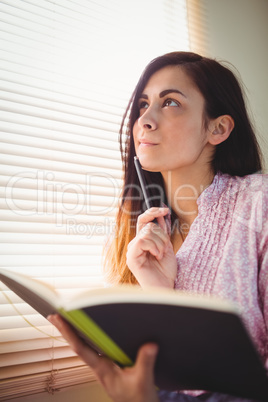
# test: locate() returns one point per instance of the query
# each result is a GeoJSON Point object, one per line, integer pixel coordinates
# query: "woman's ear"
{"type": "Point", "coordinates": [220, 129]}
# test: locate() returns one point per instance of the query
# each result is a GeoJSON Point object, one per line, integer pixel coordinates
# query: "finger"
{"type": "Point", "coordinates": [104, 369]}
{"type": "Point", "coordinates": [162, 223]}
{"type": "Point", "coordinates": [145, 361]}
{"type": "Point", "coordinates": [150, 215]}
{"type": "Point", "coordinates": [77, 344]}
{"type": "Point", "coordinates": [156, 234]}
{"type": "Point", "coordinates": [152, 239]}
{"type": "Point", "coordinates": [150, 246]}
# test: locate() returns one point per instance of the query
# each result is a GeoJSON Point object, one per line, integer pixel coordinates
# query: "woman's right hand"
{"type": "Point", "coordinates": [150, 255]}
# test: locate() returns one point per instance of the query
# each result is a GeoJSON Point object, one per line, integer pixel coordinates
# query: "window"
{"type": "Point", "coordinates": [66, 74]}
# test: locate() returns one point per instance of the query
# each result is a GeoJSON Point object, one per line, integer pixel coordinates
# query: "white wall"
{"type": "Point", "coordinates": [238, 32]}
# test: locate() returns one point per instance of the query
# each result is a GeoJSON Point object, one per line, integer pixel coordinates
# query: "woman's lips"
{"type": "Point", "coordinates": [147, 144]}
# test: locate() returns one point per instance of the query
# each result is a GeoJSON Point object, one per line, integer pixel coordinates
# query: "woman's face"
{"type": "Point", "coordinates": [170, 133]}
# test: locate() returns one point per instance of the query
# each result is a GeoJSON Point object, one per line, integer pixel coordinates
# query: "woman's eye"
{"type": "Point", "coordinates": [171, 102]}
{"type": "Point", "coordinates": [143, 105]}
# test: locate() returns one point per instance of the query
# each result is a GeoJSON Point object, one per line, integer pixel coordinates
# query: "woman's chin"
{"type": "Point", "coordinates": [150, 167]}
{"type": "Point", "coordinates": [148, 163]}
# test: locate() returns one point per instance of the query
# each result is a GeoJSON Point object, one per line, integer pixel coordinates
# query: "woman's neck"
{"type": "Point", "coordinates": [183, 189]}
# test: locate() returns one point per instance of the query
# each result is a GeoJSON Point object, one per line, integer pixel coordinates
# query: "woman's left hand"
{"type": "Point", "coordinates": [131, 384]}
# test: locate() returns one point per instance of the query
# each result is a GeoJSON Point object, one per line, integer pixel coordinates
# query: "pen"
{"type": "Point", "coordinates": [143, 184]}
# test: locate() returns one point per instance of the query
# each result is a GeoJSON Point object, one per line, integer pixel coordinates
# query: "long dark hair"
{"type": "Point", "coordinates": [239, 155]}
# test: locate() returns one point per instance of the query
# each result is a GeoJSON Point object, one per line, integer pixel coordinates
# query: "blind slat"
{"type": "Point", "coordinates": [25, 385]}
{"type": "Point", "coordinates": [31, 220]}
{"type": "Point", "coordinates": [52, 115]}
{"type": "Point", "coordinates": [66, 195]}
{"type": "Point", "coordinates": [92, 236]}
{"type": "Point", "coordinates": [82, 111]}
{"type": "Point", "coordinates": [87, 187]}
{"type": "Point", "coordinates": [14, 91]}
{"type": "Point", "coordinates": [33, 344]}
{"type": "Point", "coordinates": [31, 356]}
{"type": "Point", "coordinates": [39, 367]}
{"type": "Point", "coordinates": [70, 152]}
{"type": "Point", "coordinates": [23, 161]}
{"type": "Point", "coordinates": [52, 249]}
{"type": "Point", "coordinates": [49, 124]}
{"type": "Point", "coordinates": [95, 179]}
{"type": "Point", "coordinates": [56, 260]}
{"type": "Point", "coordinates": [101, 138]}
{"type": "Point", "coordinates": [74, 89]}
{"type": "Point", "coordinates": [10, 323]}
{"type": "Point", "coordinates": [27, 333]}
{"type": "Point", "coordinates": [47, 271]}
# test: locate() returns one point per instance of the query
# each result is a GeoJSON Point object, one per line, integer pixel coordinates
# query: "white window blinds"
{"type": "Point", "coordinates": [66, 73]}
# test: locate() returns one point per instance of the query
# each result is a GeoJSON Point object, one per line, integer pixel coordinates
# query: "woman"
{"type": "Point", "coordinates": [189, 127]}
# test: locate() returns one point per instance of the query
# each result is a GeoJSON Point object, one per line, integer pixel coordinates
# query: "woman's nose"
{"type": "Point", "coordinates": [147, 121]}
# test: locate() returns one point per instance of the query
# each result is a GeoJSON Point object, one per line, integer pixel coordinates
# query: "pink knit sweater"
{"type": "Point", "coordinates": [226, 250]}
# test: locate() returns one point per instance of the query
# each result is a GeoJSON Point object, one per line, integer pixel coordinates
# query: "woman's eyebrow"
{"type": "Point", "coordinates": [164, 93]}
{"type": "Point", "coordinates": [168, 91]}
{"type": "Point", "coordinates": [144, 96]}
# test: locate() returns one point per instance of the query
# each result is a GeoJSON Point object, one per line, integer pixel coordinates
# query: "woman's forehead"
{"type": "Point", "coordinates": [170, 78]}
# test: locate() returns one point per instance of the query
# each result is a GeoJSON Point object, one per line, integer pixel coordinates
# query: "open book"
{"type": "Point", "coordinates": [203, 343]}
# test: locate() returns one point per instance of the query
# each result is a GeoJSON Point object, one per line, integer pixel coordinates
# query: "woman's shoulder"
{"type": "Point", "coordinates": [225, 188]}
{"type": "Point", "coordinates": [247, 198]}
{"type": "Point", "coordinates": [251, 201]}
{"type": "Point", "coordinates": [249, 184]}
{"type": "Point", "coordinates": [247, 194]}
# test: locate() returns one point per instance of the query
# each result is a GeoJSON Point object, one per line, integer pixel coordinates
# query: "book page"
{"type": "Point", "coordinates": [41, 296]}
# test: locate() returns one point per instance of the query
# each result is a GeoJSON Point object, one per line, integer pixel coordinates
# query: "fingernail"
{"type": "Point", "coordinates": [153, 349]}
{"type": "Point", "coordinates": [51, 318]}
